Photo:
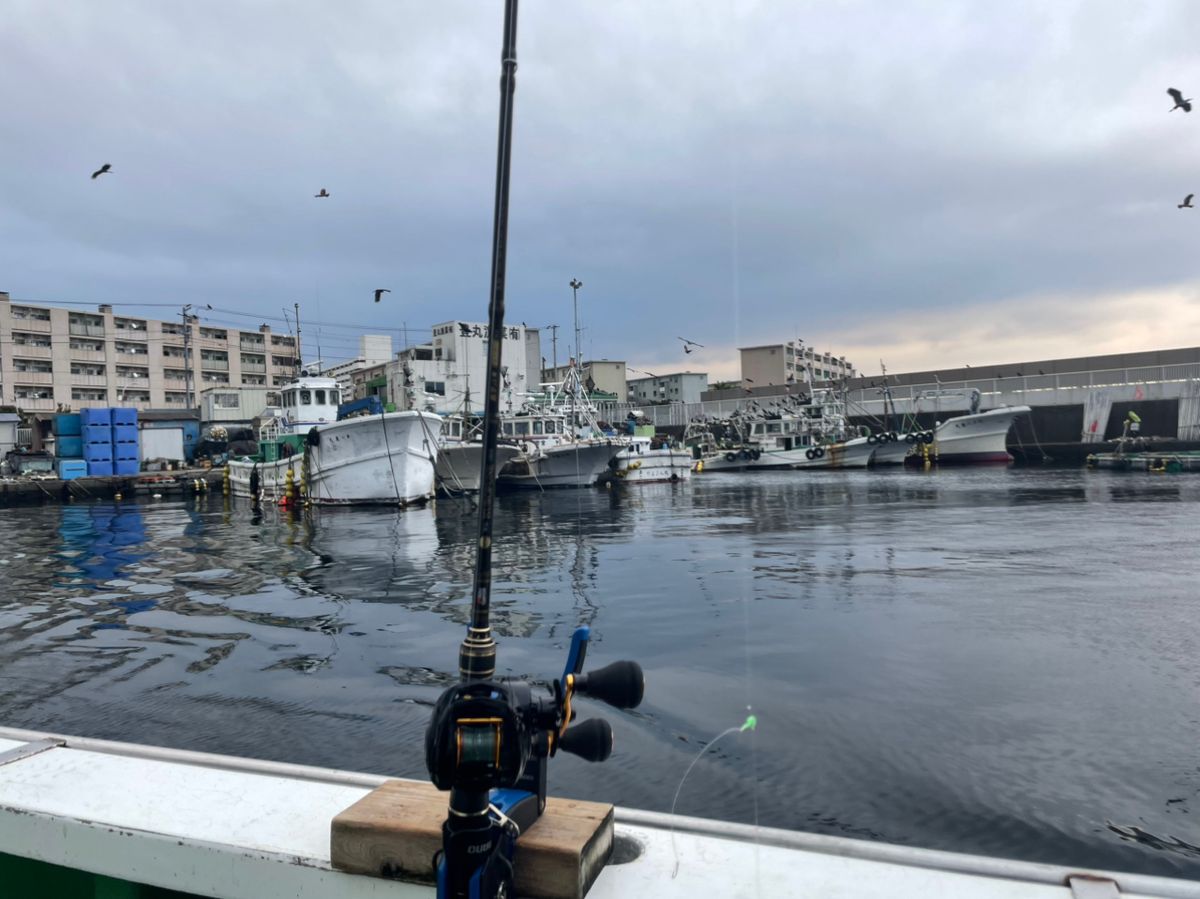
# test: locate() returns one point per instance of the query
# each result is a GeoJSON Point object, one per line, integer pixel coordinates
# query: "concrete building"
{"type": "Point", "coordinates": [437, 375]}
{"type": "Point", "coordinates": [678, 387]}
{"type": "Point", "coordinates": [51, 357]}
{"type": "Point", "coordinates": [373, 350]}
{"type": "Point", "coordinates": [235, 405]}
{"type": "Point", "coordinates": [791, 363]}
{"type": "Point", "coordinates": [604, 375]}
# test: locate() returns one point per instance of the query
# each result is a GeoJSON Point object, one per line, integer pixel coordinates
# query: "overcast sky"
{"type": "Point", "coordinates": [933, 183]}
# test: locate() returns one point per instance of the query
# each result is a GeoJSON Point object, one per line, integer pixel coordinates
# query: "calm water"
{"type": "Point", "coordinates": [1005, 662]}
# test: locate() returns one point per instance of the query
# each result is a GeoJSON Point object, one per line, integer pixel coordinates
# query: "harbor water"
{"type": "Point", "coordinates": [1001, 661]}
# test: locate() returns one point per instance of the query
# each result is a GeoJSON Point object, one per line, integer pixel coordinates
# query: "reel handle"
{"type": "Point", "coordinates": [591, 740]}
{"type": "Point", "coordinates": [621, 684]}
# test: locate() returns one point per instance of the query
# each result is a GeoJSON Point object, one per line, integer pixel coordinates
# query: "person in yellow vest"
{"type": "Point", "coordinates": [1133, 424]}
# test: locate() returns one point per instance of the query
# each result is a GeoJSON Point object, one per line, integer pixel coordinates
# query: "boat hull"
{"type": "Point", "coordinates": [459, 465]}
{"type": "Point", "coordinates": [894, 452]}
{"type": "Point", "coordinates": [653, 466]}
{"type": "Point", "coordinates": [567, 465]}
{"type": "Point", "coordinates": [978, 439]}
{"type": "Point", "coordinates": [379, 459]}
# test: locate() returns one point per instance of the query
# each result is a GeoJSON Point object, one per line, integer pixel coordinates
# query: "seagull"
{"type": "Point", "coordinates": [323, 193]}
{"type": "Point", "coordinates": [688, 344]}
{"type": "Point", "coordinates": [1180, 103]}
{"type": "Point", "coordinates": [103, 170]}
{"type": "Point", "coordinates": [380, 292]}
{"type": "Point", "coordinates": [1187, 202]}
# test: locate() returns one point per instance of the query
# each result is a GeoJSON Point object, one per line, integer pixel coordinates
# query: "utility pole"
{"type": "Point", "coordinates": [554, 342]}
{"type": "Point", "coordinates": [296, 306]}
{"type": "Point", "coordinates": [187, 354]}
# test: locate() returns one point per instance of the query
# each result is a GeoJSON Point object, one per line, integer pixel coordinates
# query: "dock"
{"type": "Point", "coordinates": [34, 490]}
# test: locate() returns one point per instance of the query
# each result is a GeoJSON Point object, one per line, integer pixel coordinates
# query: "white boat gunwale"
{"type": "Point", "coordinates": [173, 861]}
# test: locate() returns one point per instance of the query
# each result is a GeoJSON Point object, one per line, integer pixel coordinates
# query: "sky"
{"type": "Point", "coordinates": [924, 183]}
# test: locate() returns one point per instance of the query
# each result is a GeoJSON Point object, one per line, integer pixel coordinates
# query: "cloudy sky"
{"type": "Point", "coordinates": [932, 183]}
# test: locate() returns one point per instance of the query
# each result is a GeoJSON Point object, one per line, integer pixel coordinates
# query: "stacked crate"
{"type": "Point", "coordinates": [97, 441]}
{"type": "Point", "coordinates": [68, 446]}
{"type": "Point", "coordinates": [125, 441]}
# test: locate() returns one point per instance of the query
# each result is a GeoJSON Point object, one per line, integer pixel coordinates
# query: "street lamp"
{"type": "Point", "coordinates": [575, 285]}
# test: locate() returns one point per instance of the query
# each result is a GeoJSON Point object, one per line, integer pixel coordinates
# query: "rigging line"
{"type": "Point", "coordinates": [388, 447]}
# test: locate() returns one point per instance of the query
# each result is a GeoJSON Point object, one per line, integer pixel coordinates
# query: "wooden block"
{"type": "Point", "coordinates": [395, 830]}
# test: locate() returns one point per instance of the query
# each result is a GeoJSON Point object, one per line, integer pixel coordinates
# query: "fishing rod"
{"type": "Point", "coordinates": [489, 739]}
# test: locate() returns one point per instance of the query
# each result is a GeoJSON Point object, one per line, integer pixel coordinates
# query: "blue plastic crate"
{"type": "Point", "coordinates": [70, 469]}
{"type": "Point", "coordinates": [68, 447]}
{"type": "Point", "coordinates": [100, 417]}
{"type": "Point", "coordinates": [97, 434]}
{"type": "Point", "coordinates": [125, 434]}
{"type": "Point", "coordinates": [124, 417]}
{"type": "Point", "coordinates": [127, 466]}
{"type": "Point", "coordinates": [98, 452]}
{"type": "Point", "coordinates": [123, 455]}
{"type": "Point", "coordinates": [100, 468]}
{"type": "Point", "coordinates": [67, 424]}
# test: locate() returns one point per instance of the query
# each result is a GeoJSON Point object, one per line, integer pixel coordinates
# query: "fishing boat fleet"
{"type": "Point", "coordinates": [328, 452]}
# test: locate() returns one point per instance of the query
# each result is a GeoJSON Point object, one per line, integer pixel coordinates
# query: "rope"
{"type": "Point", "coordinates": [388, 446]}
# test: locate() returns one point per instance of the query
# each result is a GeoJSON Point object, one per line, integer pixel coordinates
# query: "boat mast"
{"type": "Point", "coordinates": [477, 655]}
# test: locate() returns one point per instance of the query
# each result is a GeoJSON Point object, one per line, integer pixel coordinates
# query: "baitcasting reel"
{"type": "Point", "coordinates": [488, 743]}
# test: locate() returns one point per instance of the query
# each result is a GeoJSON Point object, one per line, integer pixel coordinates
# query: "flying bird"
{"type": "Point", "coordinates": [103, 170]}
{"type": "Point", "coordinates": [380, 292]}
{"type": "Point", "coordinates": [323, 193]}
{"type": "Point", "coordinates": [688, 344]}
{"type": "Point", "coordinates": [1180, 103]}
{"type": "Point", "coordinates": [1187, 202]}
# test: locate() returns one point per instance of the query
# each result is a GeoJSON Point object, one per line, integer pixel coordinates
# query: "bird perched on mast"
{"type": "Point", "coordinates": [103, 170]}
{"type": "Point", "coordinates": [322, 194]}
{"type": "Point", "coordinates": [688, 344]}
{"type": "Point", "coordinates": [380, 292]}
{"type": "Point", "coordinates": [1180, 102]}
{"type": "Point", "coordinates": [1187, 203]}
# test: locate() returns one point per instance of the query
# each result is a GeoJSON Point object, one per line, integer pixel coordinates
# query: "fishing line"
{"type": "Point", "coordinates": [751, 723]}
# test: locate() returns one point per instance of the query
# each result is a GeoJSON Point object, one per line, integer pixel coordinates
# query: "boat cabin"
{"type": "Point", "coordinates": [780, 433]}
{"type": "Point", "coordinates": [310, 401]}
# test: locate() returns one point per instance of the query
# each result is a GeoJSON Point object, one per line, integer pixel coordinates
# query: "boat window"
{"type": "Point", "coordinates": [758, 428]}
{"type": "Point", "coordinates": [334, 396]}
{"type": "Point", "coordinates": [508, 428]}
{"type": "Point", "coordinates": [773, 427]}
{"type": "Point", "coordinates": [305, 397]}
{"type": "Point", "coordinates": [551, 427]}
{"type": "Point", "coordinates": [320, 397]}
{"type": "Point", "coordinates": [522, 428]}
{"type": "Point", "coordinates": [787, 427]}
{"type": "Point", "coordinates": [456, 429]}
{"type": "Point", "coordinates": [537, 427]}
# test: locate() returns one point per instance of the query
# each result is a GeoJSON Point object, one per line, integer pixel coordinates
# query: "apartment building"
{"type": "Point", "coordinates": [598, 375]}
{"type": "Point", "coordinates": [52, 357]}
{"type": "Point", "coordinates": [791, 363]}
{"type": "Point", "coordinates": [677, 387]}
{"type": "Point", "coordinates": [374, 350]}
{"type": "Point", "coordinates": [437, 376]}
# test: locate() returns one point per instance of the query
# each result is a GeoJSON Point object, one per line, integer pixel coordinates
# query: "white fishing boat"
{"type": "Point", "coordinates": [376, 458]}
{"type": "Point", "coordinates": [893, 447]}
{"type": "Point", "coordinates": [811, 433]}
{"type": "Point", "coordinates": [640, 462]}
{"type": "Point", "coordinates": [975, 439]}
{"type": "Point", "coordinates": [561, 442]}
{"type": "Point", "coordinates": [82, 817]}
{"type": "Point", "coordinates": [460, 456]}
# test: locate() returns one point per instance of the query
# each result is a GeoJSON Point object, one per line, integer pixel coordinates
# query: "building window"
{"type": "Point", "coordinates": [436, 387]}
